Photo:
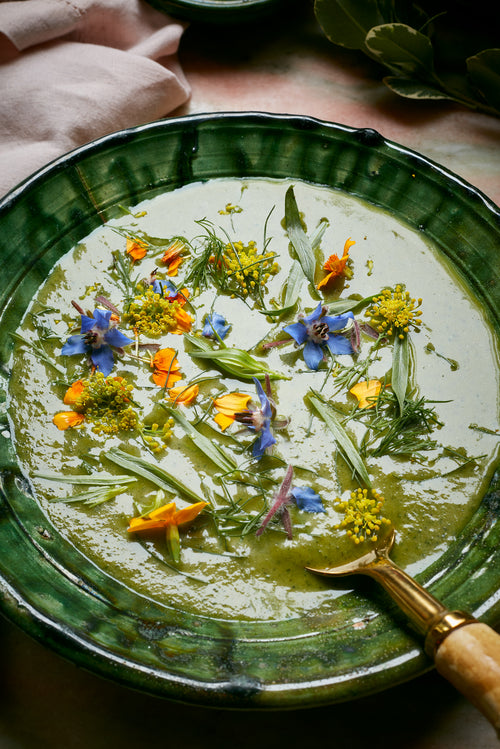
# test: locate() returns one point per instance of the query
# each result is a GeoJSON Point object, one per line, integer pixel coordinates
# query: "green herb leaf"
{"type": "Point", "coordinates": [347, 22]}
{"type": "Point", "coordinates": [344, 442]}
{"type": "Point", "coordinates": [400, 368]}
{"type": "Point", "coordinates": [414, 89]}
{"type": "Point", "coordinates": [151, 472]}
{"type": "Point", "coordinates": [234, 361]}
{"type": "Point", "coordinates": [213, 451]}
{"type": "Point", "coordinates": [299, 239]}
{"type": "Point", "coordinates": [94, 479]}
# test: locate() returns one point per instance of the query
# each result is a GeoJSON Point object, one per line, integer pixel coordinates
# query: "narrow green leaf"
{"type": "Point", "coordinates": [401, 47]}
{"type": "Point", "coordinates": [299, 239]}
{"type": "Point", "coordinates": [213, 451]}
{"type": "Point", "coordinates": [292, 292]}
{"type": "Point", "coordinates": [94, 479]}
{"type": "Point", "coordinates": [346, 305]}
{"type": "Point", "coordinates": [400, 368]}
{"type": "Point", "coordinates": [344, 442]}
{"type": "Point", "coordinates": [151, 472]}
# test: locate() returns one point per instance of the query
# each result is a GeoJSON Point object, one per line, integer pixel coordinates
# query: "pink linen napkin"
{"type": "Point", "coordinates": [74, 70]}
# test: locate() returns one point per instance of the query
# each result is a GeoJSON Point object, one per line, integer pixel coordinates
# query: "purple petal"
{"type": "Point", "coordinates": [281, 498]}
{"type": "Point", "coordinates": [115, 338]}
{"type": "Point", "coordinates": [74, 345]}
{"type": "Point", "coordinates": [339, 345]}
{"type": "Point", "coordinates": [307, 499]}
{"type": "Point", "coordinates": [297, 331]}
{"type": "Point", "coordinates": [102, 358]}
{"type": "Point", "coordinates": [313, 355]}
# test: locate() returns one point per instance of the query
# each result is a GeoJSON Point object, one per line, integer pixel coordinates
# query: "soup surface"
{"type": "Point", "coordinates": [425, 437]}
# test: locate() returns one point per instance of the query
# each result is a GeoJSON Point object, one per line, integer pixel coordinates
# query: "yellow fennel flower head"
{"type": "Point", "coordinates": [104, 401]}
{"type": "Point", "coordinates": [153, 314]}
{"type": "Point", "coordinates": [395, 311]}
{"type": "Point", "coordinates": [362, 519]}
{"type": "Point", "coordinates": [246, 267]}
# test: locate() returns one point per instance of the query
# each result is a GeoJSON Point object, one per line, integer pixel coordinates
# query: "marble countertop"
{"type": "Point", "coordinates": [282, 66]}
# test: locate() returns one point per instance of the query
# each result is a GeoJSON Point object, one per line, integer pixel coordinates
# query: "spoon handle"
{"type": "Point", "coordinates": [469, 657]}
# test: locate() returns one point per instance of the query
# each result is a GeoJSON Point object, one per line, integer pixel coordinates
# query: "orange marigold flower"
{"type": "Point", "coordinates": [136, 249]}
{"type": "Point", "coordinates": [73, 393]}
{"type": "Point", "coordinates": [172, 257]}
{"type": "Point", "coordinates": [228, 405]}
{"type": "Point", "coordinates": [183, 394]}
{"type": "Point", "coordinates": [336, 265]}
{"type": "Point", "coordinates": [366, 391]}
{"type": "Point", "coordinates": [67, 419]}
{"type": "Point", "coordinates": [183, 320]}
{"type": "Point", "coordinates": [169, 518]}
{"type": "Point", "coordinates": [166, 368]}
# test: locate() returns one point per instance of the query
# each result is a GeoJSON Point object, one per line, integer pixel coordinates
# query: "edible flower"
{"type": "Point", "coordinates": [104, 401]}
{"type": "Point", "coordinates": [335, 265]}
{"type": "Point", "coordinates": [215, 326]}
{"type": "Point", "coordinates": [246, 268]}
{"type": "Point", "coordinates": [136, 249]}
{"type": "Point", "coordinates": [166, 368]}
{"type": "Point", "coordinates": [366, 391]}
{"type": "Point", "coordinates": [98, 336]}
{"type": "Point", "coordinates": [362, 514]}
{"type": "Point", "coordinates": [154, 314]}
{"type": "Point", "coordinates": [305, 498]}
{"type": "Point", "coordinates": [172, 257]}
{"type": "Point", "coordinates": [317, 330]}
{"type": "Point", "coordinates": [234, 407]}
{"type": "Point", "coordinates": [167, 518]}
{"type": "Point", "coordinates": [395, 312]}
{"type": "Point", "coordinates": [185, 394]}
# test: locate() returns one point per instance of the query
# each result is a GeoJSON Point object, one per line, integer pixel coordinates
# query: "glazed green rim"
{"type": "Point", "coordinates": [217, 11]}
{"type": "Point", "coordinates": [59, 596]}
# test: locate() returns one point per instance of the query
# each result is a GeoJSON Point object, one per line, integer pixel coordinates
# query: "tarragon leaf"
{"type": "Point", "coordinates": [151, 472]}
{"type": "Point", "coordinates": [299, 239]}
{"type": "Point", "coordinates": [233, 361]}
{"type": "Point", "coordinates": [213, 451]}
{"type": "Point", "coordinates": [400, 369]}
{"type": "Point", "coordinates": [344, 442]}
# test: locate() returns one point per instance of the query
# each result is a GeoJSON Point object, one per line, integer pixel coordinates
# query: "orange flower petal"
{"type": "Point", "coordinates": [67, 419]}
{"type": "Point", "coordinates": [336, 265]}
{"type": "Point", "coordinates": [136, 249]}
{"type": "Point", "coordinates": [366, 391]}
{"type": "Point", "coordinates": [184, 322]}
{"type": "Point", "coordinates": [184, 394]}
{"type": "Point", "coordinates": [223, 421]}
{"type": "Point", "coordinates": [188, 514]}
{"type": "Point", "coordinates": [173, 267]}
{"type": "Point", "coordinates": [173, 252]}
{"type": "Point", "coordinates": [165, 516]}
{"type": "Point", "coordinates": [73, 393]}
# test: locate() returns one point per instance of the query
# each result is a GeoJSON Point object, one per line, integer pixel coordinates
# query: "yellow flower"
{"type": "Point", "coordinates": [67, 419]}
{"type": "Point", "coordinates": [336, 265]}
{"type": "Point", "coordinates": [395, 312]}
{"type": "Point", "coordinates": [366, 391]}
{"type": "Point", "coordinates": [228, 405]}
{"type": "Point", "coordinates": [362, 514]}
{"type": "Point", "coordinates": [168, 518]}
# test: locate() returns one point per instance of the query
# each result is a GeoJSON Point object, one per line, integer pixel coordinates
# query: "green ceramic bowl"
{"type": "Point", "coordinates": [57, 595]}
{"type": "Point", "coordinates": [218, 11]}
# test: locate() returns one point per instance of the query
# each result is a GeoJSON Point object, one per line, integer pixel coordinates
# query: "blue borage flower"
{"type": "Point", "coordinates": [317, 330]}
{"type": "Point", "coordinates": [259, 420]}
{"type": "Point", "coordinates": [98, 336]}
{"type": "Point", "coordinates": [305, 498]}
{"type": "Point", "coordinates": [215, 326]}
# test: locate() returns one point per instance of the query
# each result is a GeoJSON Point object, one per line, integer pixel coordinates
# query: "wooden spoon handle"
{"type": "Point", "coordinates": [469, 657]}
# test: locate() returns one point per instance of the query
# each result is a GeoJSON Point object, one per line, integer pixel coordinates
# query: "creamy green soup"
{"type": "Point", "coordinates": [431, 487]}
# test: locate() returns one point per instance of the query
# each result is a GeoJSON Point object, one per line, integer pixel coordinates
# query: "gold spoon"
{"type": "Point", "coordinates": [465, 651]}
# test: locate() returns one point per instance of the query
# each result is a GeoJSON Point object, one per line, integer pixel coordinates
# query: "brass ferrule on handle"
{"type": "Point", "coordinates": [433, 620]}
